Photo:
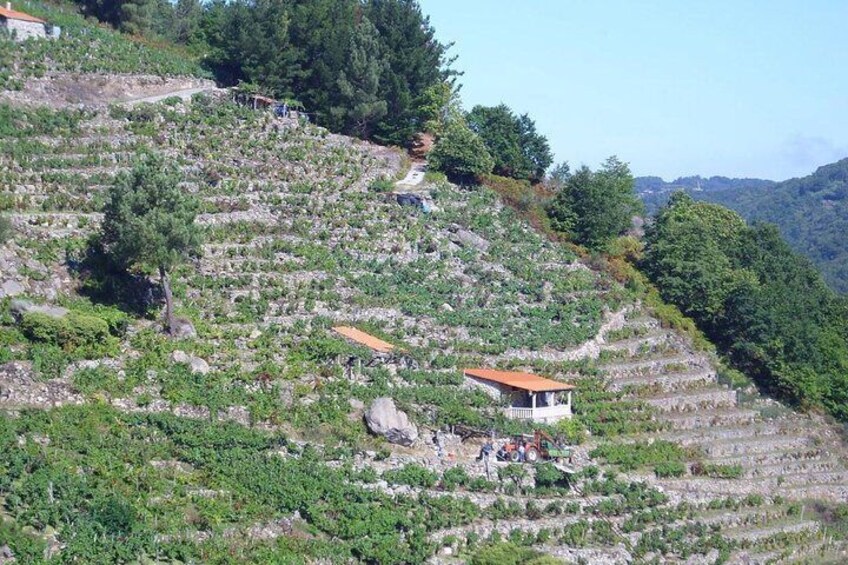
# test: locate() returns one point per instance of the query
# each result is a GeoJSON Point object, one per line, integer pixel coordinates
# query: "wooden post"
{"type": "Point", "coordinates": [533, 405]}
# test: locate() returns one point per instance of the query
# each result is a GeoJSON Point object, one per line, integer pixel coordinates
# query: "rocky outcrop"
{"type": "Point", "coordinates": [384, 419]}
{"type": "Point", "coordinates": [196, 364]}
{"type": "Point", "coordinates": [466, 238]}
{"type": "Point", "coordinates": [20, 307]}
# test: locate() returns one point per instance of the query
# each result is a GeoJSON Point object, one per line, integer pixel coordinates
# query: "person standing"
{"type": "Point", "coordinates": [486, 456]}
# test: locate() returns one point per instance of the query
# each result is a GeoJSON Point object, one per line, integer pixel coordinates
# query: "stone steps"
{"type": "Point", "coordinates": [757, 534]}
{"type": "Point", "coordinates": [634, 345]}
{"type": "Point", "coordinates": [718, 433]}
{"type": "Point", "coordinates": [785, 485]}
{"type": "Point", "coordinates": [804, 466]}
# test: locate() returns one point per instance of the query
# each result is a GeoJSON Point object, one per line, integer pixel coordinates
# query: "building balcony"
{"type": "Point", "coordinates": [545, 414]}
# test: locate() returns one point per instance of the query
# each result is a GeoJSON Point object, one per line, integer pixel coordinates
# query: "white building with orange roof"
{"type": "Point", "coordinates": [528, 396]}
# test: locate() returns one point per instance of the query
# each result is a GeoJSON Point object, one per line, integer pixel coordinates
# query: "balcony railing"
{"type": "Point", "coordinates": [539, 414]}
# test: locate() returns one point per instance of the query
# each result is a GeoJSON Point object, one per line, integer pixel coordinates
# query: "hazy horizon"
{"type": "Point", "coordinates": [754, 90]}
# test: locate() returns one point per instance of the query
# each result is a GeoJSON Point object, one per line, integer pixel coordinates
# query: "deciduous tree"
{"type": "Point", "coordinates": [594, 207]}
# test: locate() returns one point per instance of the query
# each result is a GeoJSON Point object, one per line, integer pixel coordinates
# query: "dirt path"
{"type": "Point", "coordinates": [414, 177]}
{"type": "Point", "coordinates": [185, 94]}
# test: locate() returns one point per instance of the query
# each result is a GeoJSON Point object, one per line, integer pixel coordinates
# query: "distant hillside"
{"type": "Point", "coordinates": [655, 192]}
{"type": "Point", "coordinates": [811, 212]}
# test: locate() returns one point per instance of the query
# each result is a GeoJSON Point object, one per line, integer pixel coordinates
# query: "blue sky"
{"type": "Point", "coordinates": [746, 88]}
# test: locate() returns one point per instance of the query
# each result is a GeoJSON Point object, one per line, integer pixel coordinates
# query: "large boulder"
{"type": "Point", "coordinates": [384, 419]}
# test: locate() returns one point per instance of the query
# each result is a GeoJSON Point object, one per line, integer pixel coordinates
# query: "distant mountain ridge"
{"type": "Point", "coordinates": [811, 211]}
{"type": "Point", "coordinates": [655, 191]}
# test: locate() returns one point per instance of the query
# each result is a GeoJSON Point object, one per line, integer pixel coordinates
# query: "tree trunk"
{"type": "Point", "coordinates": [169, 300]}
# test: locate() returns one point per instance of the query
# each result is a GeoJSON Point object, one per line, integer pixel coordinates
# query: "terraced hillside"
{"type": "Point", "coordinates": [244, 440]}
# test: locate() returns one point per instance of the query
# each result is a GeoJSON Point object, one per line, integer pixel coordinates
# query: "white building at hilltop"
{"type": "Point", "coordinates": [20, 25]}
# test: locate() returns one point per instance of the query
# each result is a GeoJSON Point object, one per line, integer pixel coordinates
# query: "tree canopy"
{"type": "Point", "coordinates": [460, 153]}
{"type": "Point", "coordinates": [148, 222]}
{"type": "Point", "coordinates": [592, 207]}
{"type": "Point", "coordinates": [517, 149]}
{"type": "Point", "coordinates": [764, 305]}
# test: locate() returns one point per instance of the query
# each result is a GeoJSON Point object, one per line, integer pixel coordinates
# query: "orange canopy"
{"type": "Point", "coordinates": [523, 381]}
{"type": "Point", "coordinates": [365, 339]}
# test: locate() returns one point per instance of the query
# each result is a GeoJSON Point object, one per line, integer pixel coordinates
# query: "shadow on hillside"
{"type": "Point", "coordinates": [104, 282]}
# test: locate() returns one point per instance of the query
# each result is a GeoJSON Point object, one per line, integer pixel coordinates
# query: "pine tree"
{"type": "Point", "coordinates": [360, 105]}
{"type": "Point", "coordinates": [148, 223]}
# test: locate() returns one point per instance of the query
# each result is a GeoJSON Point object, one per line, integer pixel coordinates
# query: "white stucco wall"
{"type": "Point", "coordinates": [24, 30]}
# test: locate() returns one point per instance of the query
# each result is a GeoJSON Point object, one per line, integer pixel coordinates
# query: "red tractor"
{"type": "Point", "coordinates": [538, 446]}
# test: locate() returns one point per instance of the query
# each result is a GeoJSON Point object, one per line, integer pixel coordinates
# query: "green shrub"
{"type": "Point", "coordinates": [460, 153]}
{"type": "Point", "coordinates": [571, 430]}
{"type": "Point", "coordinates": [74, 333]}
{"type": "Point", "coordinates": [412, 475]}
{"type": "Point", "coordinates": [454, 477]}
{"type": "Point", "coordinates": [382, 184]}
{"type": "Point", "coordinates": [670, 469]}
{"type": "Point", "coordinates": [506, 553]}
{"type": "Point", "coordinates": [48, 361]}
{"type": "Point", "coordinates": [717, 471]}
{"type": "Point", "coordinates": [547, 475]}
{"type": "Point", "coordinates": [633, 456]}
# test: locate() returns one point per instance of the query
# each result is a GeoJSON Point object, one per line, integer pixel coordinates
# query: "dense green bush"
{"type": "Point", "coordinates": [75, 333]}
{"type": "Point", "coordinates": [593, 207]}
{"type": "Point", "coordinates": [717, 471]}
{"type": "Point", "coordinates": [413, 475]}
{"type": "Point", "coordinates": [507, 553]}
{"type": "Point", "coordinates": [670, 469]}
{"type": "Point", "coordinates": [517, 149]}
{"type": "Point", "coordinates": [548, 476]}
{"type": "Point", "coordinates": [460, 153]}
{"type": "Point", "coordinates": [455, 477]}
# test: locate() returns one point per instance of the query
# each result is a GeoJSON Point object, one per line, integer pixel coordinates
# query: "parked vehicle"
{"type": "Point", "coordinates": [539, 446]}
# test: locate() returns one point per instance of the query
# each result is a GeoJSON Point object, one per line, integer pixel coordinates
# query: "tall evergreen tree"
{"type": "Point", "coordinates": [416, 61]}
{"type": "Point", "coordinates": [148, 223]}
{"type": "Point", "coordinates": [359, 104]}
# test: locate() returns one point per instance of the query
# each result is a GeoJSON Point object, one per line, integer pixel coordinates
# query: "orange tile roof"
{"type": "Point", "coordinates": [523, 381]}
{"type": "Point", "coordinates": [365, 339]}
{"type": "Point", "coordinates": [13, 15]}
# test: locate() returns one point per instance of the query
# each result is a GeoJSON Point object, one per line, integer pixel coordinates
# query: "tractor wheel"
{"type": "Point", "coordinates": [532, 455]}
{"type": "Point", "coordinates": [513, 456]}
